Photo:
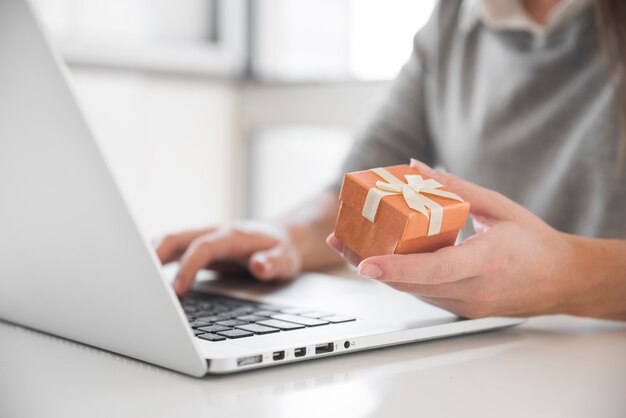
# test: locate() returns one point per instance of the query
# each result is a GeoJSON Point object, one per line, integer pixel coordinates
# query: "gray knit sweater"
{"type": "Point", "coordinates": [530, 116]}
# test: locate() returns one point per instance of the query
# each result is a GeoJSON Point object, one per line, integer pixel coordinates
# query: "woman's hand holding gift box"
{"type": "Point", "coordinates": [515, 265]}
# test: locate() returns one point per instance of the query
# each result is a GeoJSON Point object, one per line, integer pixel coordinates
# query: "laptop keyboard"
{"type": "Point", "coordinates": [219, 318]}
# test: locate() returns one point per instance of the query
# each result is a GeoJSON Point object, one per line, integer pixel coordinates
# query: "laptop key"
{"type": "Point", "coordinates": [186, 302]}
{"type": "Point", "coordinates": [243, 310]}
{"type": "Point", "coordinates": [336, 319]}
{"type": "Point", "coordinates": [251, 318]}
{"type": "Point", "coordinates": [226, 315]}
{"type": "Point", "coordinates": [264, 313]}
{"type": "Point", "coordinates": [212, 318]}
{"type": "Point", "coordinates": [196, 332]}
{"type": "Point", "coordinates": [257, 329]}
{"type": "Point", "coordinates": [212, 337]}
{"type": "Point", "coordinates": [316, 314]}
{"type": "Point", "coordinates": [268, 307]}
{"type": "Point", "coordinates": [231, 323]}
{"type": "Point", "coordinates": [213, 328]}
{"type": "Point", "coordinates": [198, 324]}
{"type": "Point", "coordinates": [309, 322]}
{"type": "Point", "coordinates": [295, 311]}
{"type": "Point", "coordinates": [285, 326]}
{"type": "Point", "coordinates": [235, 333]}
{"type": "Point", "coordinates": [203, 312]}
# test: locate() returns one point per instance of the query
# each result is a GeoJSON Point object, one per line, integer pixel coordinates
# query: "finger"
{"type": "Point", "coordinates": [446, 265]}
{"type": "Point", "coordinates": [200, 253]}
{"type": "Point", "coordinates": [229, 267]}
{"type": "Point", "coordinates": [484, 202]}
{"type": "Point", "coordinates": [171, 247]}
{"type": "Point", "coordinates": [221, 244]}
{"type": "Point", "coordinates": [351, 257]}
{"type": "Point", "coordinates": [334, 243]}
{"type": "Point", "coordinates": [348, 254]}
{"type": "Point", "coordinates": [480, 224]}
{"type": "Point", "coordinates": [279, 262]}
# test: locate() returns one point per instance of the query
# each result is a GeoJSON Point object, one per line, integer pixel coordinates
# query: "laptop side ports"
{"type": "Point", "coordinates": [246, 361]}
{"type": "Point", "coordinates": [324, 348]}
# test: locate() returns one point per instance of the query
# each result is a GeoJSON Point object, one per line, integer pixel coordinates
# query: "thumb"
{"type": "Point", "coordinates": [486, 205]}
{"type": "Point", "coordinates": [279, 262]}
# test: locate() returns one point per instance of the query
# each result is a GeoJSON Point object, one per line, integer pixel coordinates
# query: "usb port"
{"type": "Point", "coordinates": [246, 361]}
{"type": "Point", "coordinates": [278, 355]}
{"type": "Point", "coordinates": [299, 352]}
{"type": "Point", "coordinates": [324, 348]}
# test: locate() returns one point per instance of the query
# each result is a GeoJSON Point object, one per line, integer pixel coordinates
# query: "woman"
{"type": "Point", "coordinates": [526, 99]}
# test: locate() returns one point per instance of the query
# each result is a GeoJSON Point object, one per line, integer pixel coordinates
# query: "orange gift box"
{"type": "Point", "coordinates": [375, 217]}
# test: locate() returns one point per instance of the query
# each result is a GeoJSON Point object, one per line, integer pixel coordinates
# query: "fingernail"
{"type": "Point", "coordinates": [263, 262]}
{"type": "Point", "coordinates": [424, 168]}
{"type": "Point", "coordinates": [370, 270]}
{"type": "Point", "coordinates": [334, 243]}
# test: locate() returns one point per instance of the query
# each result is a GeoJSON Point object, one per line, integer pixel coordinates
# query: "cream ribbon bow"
{"type": "Point", "coordinates": [413, 192]}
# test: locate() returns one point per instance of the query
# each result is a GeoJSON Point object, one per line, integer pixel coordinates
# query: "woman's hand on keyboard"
{"type": "Point", "coordinates": [265, 250]}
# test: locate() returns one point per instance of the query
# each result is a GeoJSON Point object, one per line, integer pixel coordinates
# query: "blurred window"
{"type": "Point", "coordinates": [198, 36]}
{"type": "Point", "coordinates": [303, 40]}
{"type": "Point", "coordinates": [137, 21]}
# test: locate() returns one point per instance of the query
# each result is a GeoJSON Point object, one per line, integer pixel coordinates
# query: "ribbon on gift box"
{"type": "Point", "coordinates": [413, 192]}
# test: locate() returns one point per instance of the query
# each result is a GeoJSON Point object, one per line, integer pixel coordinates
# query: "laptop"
{"type": "Point", "coordinates": [74, 264]}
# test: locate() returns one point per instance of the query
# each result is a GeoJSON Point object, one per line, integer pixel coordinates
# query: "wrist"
{"type": "Point", "coordinates": [309, 241]}
{"type": "Point", "coordinates": [306, 229]}
{"type": "Point", "coordinates": [597, 278]}
{"type": "Point", "coordinates": [575, 283]}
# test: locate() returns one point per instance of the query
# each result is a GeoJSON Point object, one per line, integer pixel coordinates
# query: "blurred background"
{"type": "Point", "coordinates": [213, 110]}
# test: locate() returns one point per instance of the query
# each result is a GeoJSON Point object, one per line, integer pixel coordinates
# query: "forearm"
{"type": "Point", "coordinates": [308, 226]}
{"type": "Point", "coordinates": [599, 278]}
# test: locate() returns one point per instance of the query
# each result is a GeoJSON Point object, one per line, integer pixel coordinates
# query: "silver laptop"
{"type": "Point", "coordinates": [73, 263]}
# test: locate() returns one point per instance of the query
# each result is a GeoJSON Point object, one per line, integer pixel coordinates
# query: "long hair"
{"type": "Point", "coordinates": [611, 17]}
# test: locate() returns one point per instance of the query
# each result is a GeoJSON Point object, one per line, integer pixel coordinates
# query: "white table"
{"type": "Point", "coordinates": [548, 367]}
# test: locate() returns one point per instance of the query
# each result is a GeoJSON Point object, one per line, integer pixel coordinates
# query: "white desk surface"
{"type": "Point", "coordinates": [548, 367]}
